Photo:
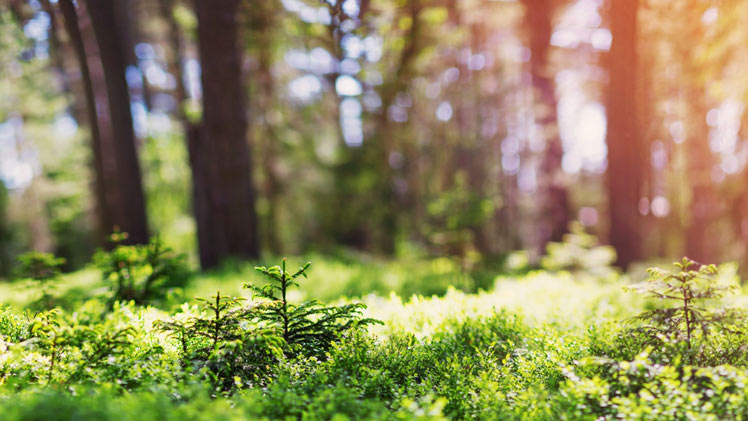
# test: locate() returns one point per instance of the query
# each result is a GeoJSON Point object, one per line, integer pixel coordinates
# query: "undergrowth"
{"type": "Point", "coordinates": [544, 346]}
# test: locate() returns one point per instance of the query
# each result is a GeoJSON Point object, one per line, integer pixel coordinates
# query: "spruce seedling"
{"type": "Point", "coordinates": [689, 287]}
{"type": "Point", "coordinates": [139, 272]}
{"type": "Point", "coordinates": [236, 350]}
{"type": "Point", "coordinates": [47, 329]}
{"type": "Point", "coordinates": [310, 327]}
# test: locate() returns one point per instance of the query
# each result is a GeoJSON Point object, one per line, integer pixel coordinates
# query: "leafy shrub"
{"type": "Point", "coordinates": [88, 346]}
{"type": "Point", "coordinates": [456, 369]}
{"type": "Point", "coordinates": [642, 389]}
{"type": "Point", "coordinates": [141, 273]}
{"type": "Point", "coordinates": [13, 327]}
{"type": "Point", "coordinates": [44, 270]}
{"type": "Point", "coordinates": [62, 353]}
{"type": "Point", "coordinates": [308, 328]}
{"type": "Point", "coordinates": [579, 252]}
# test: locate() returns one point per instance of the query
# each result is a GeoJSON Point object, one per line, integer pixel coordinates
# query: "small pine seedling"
{"type": "Point", "coordinates": [46, 328]}
{"type": "Point", "coordinates": [310, 327]}
{"type": "Point", "coordinates": [233, 349]}
{"type": "Point", "coordinates": [140, 272]}
{"type": "Point", "coordinates": [689, 287]}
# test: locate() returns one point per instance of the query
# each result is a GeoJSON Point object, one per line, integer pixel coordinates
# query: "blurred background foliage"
{"type": "Point", "coordinates": [452, 131]}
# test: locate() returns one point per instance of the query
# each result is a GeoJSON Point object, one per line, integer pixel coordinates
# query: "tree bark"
{"type": "Point", "coordinates": [554, 203]}
{"type": "Point", "coordinates": [224, 197]}
{"type": "Point", "coordinates": [122, 182]}
{"type": "Point", "coordinates": [104, 213]}
{"type": "Point", "coordinates": [626, 152]}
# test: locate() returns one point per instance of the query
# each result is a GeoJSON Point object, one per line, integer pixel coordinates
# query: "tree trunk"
{"type": "Point", "coordinates": [223, 193]}
{"type": "Point", "coordinates": [626, 155]}
{"type": "Point", "coordinates": [554, 204]}
{"type": "Point", "coordinates": [105, 205]}
{"type": "Point", "coordinates": [6, 234]}
{"type": "Point", "coordinates": [122, 184]}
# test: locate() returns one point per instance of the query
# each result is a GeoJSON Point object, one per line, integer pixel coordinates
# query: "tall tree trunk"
{"type": "Point", "coordinates": [104, 209]}
{"type": "Point", "coordinates": [224, 197]}
{"type": "Point", "coordinates": [626, 154]}
{"type": "Point", "coordinates": [554, 203]}
{"type": "Point", "coordinates": [130, 33]}
{"type": "Point", "coordinates": [120, 160]}
{"type": "Point", "coordinates": [6, 234]}
{"type": "Point", "coordinates": [56, 52]}
{"type": "Point", "coordinates": [174, 56]}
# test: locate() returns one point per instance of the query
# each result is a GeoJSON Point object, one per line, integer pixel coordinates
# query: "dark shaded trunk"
{"type": "Point", "coordinates": [174, 56]}
{"type": "Point", "coordinates": [56, 51]}
{"type": "Point", "coordinates": [120, 160]}
{"type": "Point", "coordinates": [104, 213]}
{"type": "Point", "coordinates": [7, 240]}
{"type": "Point", "coordinates": [627, 156]}
{"type": "Point", "coordinates": [191, 130]}
{"type": "Point", "coordinates": [129, 32]}
{"type": "Point", "coordinates": [20, 11]}
{"type": "Point", "coordinates": [220, 156]}
{"type": "Point", "coordinates": [554, 203]}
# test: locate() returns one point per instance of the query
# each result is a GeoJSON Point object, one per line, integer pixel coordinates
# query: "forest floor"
{"type": "Point", "coordinates": [534, 345]}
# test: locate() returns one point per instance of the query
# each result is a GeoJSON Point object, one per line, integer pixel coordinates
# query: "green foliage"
{"type": "Point", "coordinates": [87, 347]}
{"type": "Point", "coordinates": [308, 328]}
{"type": "Point", "coordinates": [142, 273]}
{"type": "Point", "coordinates": [580, 253]}
{"type": "Point", "coordinates": [458, 356]}
{"type": "Point", "coordinates": [65, 352]}
{"type": "Point", "coordinates": [641, 389]}
{"type": "Point", "coordinates": [690, 288]}
{"type": "Point", "coordinates": [166, 178]}
{"type": "Point", "coordinates": [44, 270]}
{"type": "Point", "coordinates": [224, 342]}
{"type": "Point", "coordinates": [454, 216]}
{"type": "Point", "coordinates": [13, 326]}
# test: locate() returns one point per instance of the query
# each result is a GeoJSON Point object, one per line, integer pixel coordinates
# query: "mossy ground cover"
{"type": "Point", "coordinates": [540, 345]}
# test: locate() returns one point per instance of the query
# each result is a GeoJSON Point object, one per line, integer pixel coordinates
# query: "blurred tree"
{"type": "Point", "coordinates": [554, 202]}
{"type": "Point", "coordinates": [626, 152]}
{"type": "Point", "coordinates": [118, 183]}
{"type": "Point", "coordinates": [223, 194]}
{"type": "Point", "coordinates": [6, 234]}
{"type": "Point", "coordinates": [700, 244]}
{"type": "Point", "coordinates": [129, 32]}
